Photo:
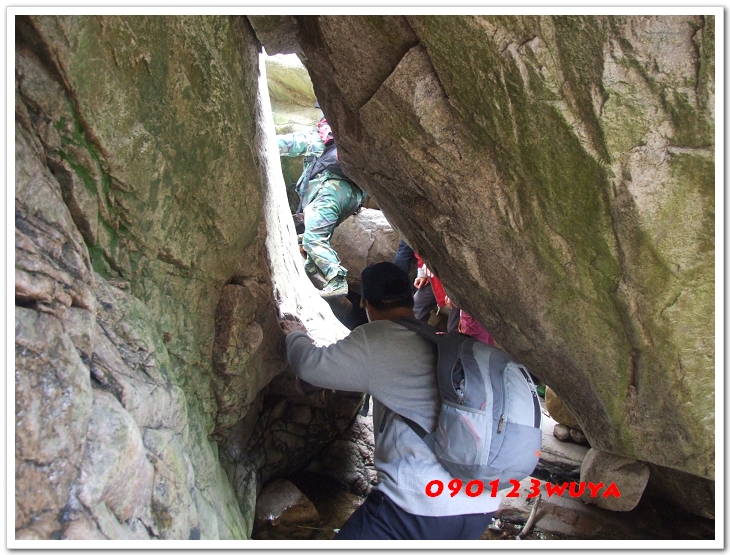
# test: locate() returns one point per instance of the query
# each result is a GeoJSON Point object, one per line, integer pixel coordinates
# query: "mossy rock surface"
{"type": "Point", "coordinates": [147, 128]}
{"type": "Point", "coordinates": [558, 173]}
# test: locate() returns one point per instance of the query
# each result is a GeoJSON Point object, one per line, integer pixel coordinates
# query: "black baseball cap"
{"type": "Point", "coordinates": [384, 282]}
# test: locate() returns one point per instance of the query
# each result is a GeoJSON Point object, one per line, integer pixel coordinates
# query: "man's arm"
{"type": "Point", "coordinates": [344, 365]}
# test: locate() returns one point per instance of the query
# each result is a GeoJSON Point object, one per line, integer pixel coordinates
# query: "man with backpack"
{"type": "Point", "coordinates": [397, 366]}
{"type": "Point", "coordinates": [326, 197]}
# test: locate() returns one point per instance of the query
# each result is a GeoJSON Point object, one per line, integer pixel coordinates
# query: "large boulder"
{"type": "Point", "coordinates": [363, 239]}
{"type": "Point", "coordinates": [137, 198]}
{"type": "Point", "coordinates": [558, 173]}
{"type": "Point", "coordinates": [143, 288]}
{"type": "Point", "coordinates": [291, 93]}
{"type": "Point", "coordinates": [612, 482]}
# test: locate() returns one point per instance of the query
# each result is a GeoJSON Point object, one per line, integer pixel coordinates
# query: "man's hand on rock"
{"type": "Point", "coordinates": [289, 326]}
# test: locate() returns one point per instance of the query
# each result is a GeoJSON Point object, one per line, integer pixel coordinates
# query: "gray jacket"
{"type": "Point", "coordinates": [397, 367]}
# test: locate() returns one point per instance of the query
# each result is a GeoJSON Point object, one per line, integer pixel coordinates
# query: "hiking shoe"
{"type": "Point", "coordinates": [336, 287]}
{"type": "Point", "coordinates": [317, 280]}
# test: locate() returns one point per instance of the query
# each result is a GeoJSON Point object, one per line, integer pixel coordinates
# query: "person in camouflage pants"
{"type": "Point", "coordinates": [327, 198]}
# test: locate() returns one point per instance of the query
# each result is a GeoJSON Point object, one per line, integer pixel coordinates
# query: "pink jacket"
{"type": "Point", "coordinates": [469, 326]}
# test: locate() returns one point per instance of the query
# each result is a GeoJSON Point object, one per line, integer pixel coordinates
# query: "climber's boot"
{"type": "Point", "coordinates": [336, 287]}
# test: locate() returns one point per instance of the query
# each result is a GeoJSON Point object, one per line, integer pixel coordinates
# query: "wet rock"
{"type": "Point", "coordinates": [562, 432]}
{"type": "Point", "coordinates": [283, 506]}
{"type": "Point", "coordinates": [577, 435]}
{"type": "Point", "coordinates": [349, 460]}
{"type": "Point", "coordinates": [337, 511]}
{"type": "Point", "coordinates": [624, 480]}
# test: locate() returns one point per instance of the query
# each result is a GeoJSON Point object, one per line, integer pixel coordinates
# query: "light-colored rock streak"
{"type": "Point", "coordinates": [293, 292]}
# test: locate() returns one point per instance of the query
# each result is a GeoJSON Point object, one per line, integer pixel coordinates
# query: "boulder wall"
{"type": "Point", "coordinates": [137, 200]}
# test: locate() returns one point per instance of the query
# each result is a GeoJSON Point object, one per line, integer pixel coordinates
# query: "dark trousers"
{"type": "Point", "coordinates": [378, 518]}
{"type": "Point", "coordinates": [424, 301]}
{"type": "Point", "coordinates": [404, 256]}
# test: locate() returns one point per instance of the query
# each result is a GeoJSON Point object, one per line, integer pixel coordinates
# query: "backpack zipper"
{"type": "Point", "coordinates": [500, 427]}
{"type": "Point", "coordinates": [503, 417]}
{"type": "Point", "coordinates": [462, 384]}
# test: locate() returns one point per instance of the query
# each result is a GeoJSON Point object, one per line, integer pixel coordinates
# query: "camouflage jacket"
{"type": "Point", "coordinates": [311, 146]}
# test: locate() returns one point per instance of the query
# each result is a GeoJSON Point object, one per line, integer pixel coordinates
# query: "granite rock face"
{"type": "Point", "coordinates": [557, 172]}
{"type": "Point", "coordinates": [137, 198]}
{"type": "Point", "coordinates": [146, 328]}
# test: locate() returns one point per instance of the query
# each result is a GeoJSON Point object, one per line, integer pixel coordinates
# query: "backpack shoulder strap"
{"type": "Point", "coordinates": [421, 328]}
{"type": "Point", "coordinates": [449, 348]}
{"type": "Point", "coordinates": [417, 428]}
{"type": "Point", "coordinates": [429, 332]}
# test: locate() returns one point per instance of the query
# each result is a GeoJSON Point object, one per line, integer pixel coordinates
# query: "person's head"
{"type": "Point", "coordinates": [386, 291]}
{"type": "Point", "coordinates": [325, 132]}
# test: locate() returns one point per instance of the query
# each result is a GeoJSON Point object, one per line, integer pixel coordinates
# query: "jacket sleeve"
{"type": "Point", "coordinates": [421, 267]}
{"type": "Point", "coordinates": [299, 144]}
{"type": "Point", "coordinates": [438, 291]}
{"type": "Point", "coordinates": [344, 365]}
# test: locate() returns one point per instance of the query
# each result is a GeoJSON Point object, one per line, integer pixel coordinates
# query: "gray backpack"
{"type": "Point", "coordinates": [489, 423]}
